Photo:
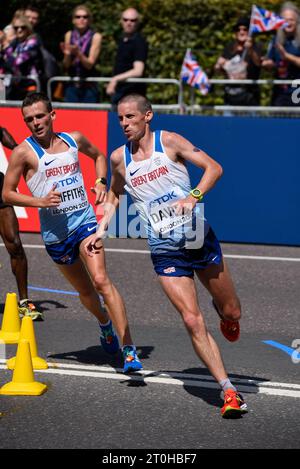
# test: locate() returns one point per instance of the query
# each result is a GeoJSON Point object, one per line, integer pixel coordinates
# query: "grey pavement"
{"type": "Point", "coordinates": [107, 411]}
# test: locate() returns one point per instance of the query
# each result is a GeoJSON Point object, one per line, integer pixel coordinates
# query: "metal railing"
{"type": "Point", "coordinates": [8, 79]}
{"type": "Point", "coordinates": [107, 106]}
{"type": "Point", "coordinates": [179, 106]}
{"type": "Point", "coordinates": [191, 108]}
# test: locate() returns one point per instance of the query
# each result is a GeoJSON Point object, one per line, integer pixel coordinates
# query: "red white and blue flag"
{"type": "Point", "coordinates": [192, 73]}
{"type": "Point", "coordinates": [264, 20]}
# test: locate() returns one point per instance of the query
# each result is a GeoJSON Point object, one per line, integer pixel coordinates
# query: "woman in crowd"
{"type": "Point", "coordinates": [81, 50]}
{"type": "Point", "coordinates": [22, 58]}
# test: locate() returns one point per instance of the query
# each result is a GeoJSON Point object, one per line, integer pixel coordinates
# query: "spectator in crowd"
{"type": "Point", "coordinates": [241, 59]}
{"type": "Point", "coordinates": [130, 60]}
{"type": "Point", "coordinates": [5, 40]}
{"type": "Point", "coordinates": [50, 66]}
{"type": "Point", "coordinates": [10, 33]}
{"type": "Point", "coordinates": [7, 35]}
{"type": "Point", "coordinates": [284, 55]}
{"type": "Point", "coordinates": [33, 15]}
{"type": "Point", "coordinates": [81, 50]}
{"type": "Point", "coordinates": [22, 57]}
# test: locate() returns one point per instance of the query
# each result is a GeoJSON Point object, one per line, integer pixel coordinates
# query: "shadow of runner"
{"type": "Point", "coordinates": [41, 305]}
{"type": "Point", "coordinates": [96, 356]}
{"type": "Point", "coordinates": [209, 390]}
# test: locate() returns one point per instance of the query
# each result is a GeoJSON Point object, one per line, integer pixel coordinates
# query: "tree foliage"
{"type": "Point", "coordinates": [170, 26]}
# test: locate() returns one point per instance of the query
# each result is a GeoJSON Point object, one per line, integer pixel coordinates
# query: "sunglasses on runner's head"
{"type": "Point", "coordinates": [77, 17]}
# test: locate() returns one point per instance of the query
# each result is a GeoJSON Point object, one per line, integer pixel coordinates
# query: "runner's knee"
{"type": "Point", "coordinates": [193, 322]}
{"type": "Point", "coordinates": [101, 282]}
{"type": "Point", "coordinates": [15, 249]}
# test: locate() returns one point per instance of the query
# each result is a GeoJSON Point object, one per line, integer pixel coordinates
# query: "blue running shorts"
{"type": "Point", "coordinates": [183, 262]}
{"type": "Point", "coordinates": [67, 251]}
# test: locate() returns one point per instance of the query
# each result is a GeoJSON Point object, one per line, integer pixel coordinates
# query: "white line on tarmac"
{"type": "Point", "coordinates": [172, 378]}
{"type": "Point", "coordinates": [145, 251]}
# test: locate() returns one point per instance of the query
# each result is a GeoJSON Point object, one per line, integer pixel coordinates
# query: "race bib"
{"type": "Point", "coordinates": [162, 216]}
{"type": "Point", "coordinates": [73, 195]}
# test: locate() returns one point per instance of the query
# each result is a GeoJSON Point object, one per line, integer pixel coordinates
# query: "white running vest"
{"type": "Point", "coordinates": [154, 185]}
{"type": "Point", "coordinates": [63, 171]}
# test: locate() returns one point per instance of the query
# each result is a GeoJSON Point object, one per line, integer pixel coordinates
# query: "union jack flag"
{"type": "Point", "coordinates": [265, 20]}
{"type": "Point", "coordinates": [192, 73]}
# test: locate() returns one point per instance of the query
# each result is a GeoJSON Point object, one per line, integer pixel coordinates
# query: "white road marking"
{"type": "Point", "coordinates": [172, 378]}
{"type": "Point", "coordinates": [145, 251]}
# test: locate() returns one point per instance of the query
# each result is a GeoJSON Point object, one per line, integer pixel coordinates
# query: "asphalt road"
{"type": "Point", "coordinates": [174, 403]}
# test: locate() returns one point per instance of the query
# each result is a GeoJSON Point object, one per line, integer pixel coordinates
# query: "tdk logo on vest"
{"type": "Point", "coordinates": [164, 198]}
{"type": "Point", "coordinates": [68, 181]}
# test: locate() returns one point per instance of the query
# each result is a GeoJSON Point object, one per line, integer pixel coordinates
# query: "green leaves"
{"type": "Point", "coordinates": [170, 26]}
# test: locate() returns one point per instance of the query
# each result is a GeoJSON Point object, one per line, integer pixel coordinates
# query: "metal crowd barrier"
{"type": "Point", "coordinates": [7, 79]}
{"type": "Point", "coordinates": [180, 106]}
{"type": "Point", "coordinates": [191, 108]}
{"type": "Point", "coordinates": [165, 81]}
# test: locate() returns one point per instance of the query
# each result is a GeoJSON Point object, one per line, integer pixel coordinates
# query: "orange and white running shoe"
{"type": "Point", "coordinates": [234, 404]}
{"type": "Point", "coordinates": [230, 329]}
{"type": "Point", "coordinates": [28, 308]}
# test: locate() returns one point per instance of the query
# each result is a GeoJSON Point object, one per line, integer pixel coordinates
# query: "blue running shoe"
{"type": "Point", "coordinates": [109, 339]}
{"type": "Point", "coordinates": [131, 360]}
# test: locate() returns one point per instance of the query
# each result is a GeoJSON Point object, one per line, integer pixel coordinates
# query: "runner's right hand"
{"type": "Point", "coordinates": [52, 199]}
{"type": "Point", "coordinates": [94, 244]}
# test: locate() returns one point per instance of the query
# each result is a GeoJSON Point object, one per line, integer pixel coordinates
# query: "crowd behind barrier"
{"type": "Point", "coordinates": [237, 68]}
{"type": "Point", "coordinates": [180, 105]}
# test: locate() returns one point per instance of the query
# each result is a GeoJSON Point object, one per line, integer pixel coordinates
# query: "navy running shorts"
{"type": "Point", "coordinates": [183, 262]}
{"type": "Point", "coordinates": [67, 251]}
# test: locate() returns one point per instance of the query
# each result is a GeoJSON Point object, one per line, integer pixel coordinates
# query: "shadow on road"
{"type": "Point", "coordinates": [212, 396]}
{"type": "Point", "coordinates": [41, 305]}
{"type": "Point", "coordinates": [96, 356]}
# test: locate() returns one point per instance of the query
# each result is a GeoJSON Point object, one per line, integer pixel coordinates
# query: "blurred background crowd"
{"type": "Point", "coordinates": [146, 38]}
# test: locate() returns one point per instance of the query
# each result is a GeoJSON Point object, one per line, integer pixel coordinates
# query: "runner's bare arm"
{"type": "Point", "coordinates": [89, 149]}
{"type": "Point", "coordinates": [177, 147]}
{"type": "Point", "coordinates": [116, 189]}
{"type": "Point", "coordinates": [18, 163]}
{"type": "Point", "coordinates": [7, 139]}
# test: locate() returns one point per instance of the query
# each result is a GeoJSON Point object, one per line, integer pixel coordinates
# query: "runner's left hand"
{"type": "Point", "coordinates": [101, 194]}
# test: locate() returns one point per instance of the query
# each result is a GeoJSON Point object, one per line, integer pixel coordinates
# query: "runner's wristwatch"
{"type": "Point", "coordinates": [197, 194]}
{"type": "Point", "coordinates": [101, 180]}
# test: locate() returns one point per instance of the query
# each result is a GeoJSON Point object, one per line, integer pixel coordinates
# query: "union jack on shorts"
{"type": "Point", "coordinates": [192, 74]}
{"type": "Point", "coordinates": [265, 20]}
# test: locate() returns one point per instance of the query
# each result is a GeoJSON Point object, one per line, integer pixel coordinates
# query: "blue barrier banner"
{"type": "Point", "coordinates": [257, 200]}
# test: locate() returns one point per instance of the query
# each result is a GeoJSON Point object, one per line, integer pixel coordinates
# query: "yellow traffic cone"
{"type": "Point", "coordinates": [23, 383]}
{"type": "Point", "coordinates": [10, 331]}
{"type": "Point", "coordinates": [27, 333]}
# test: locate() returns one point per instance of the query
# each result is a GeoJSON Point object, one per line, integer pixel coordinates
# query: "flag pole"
{"type": "Point", "coordinates": [250, 35]}
{"type": "Point", "coordinates": [192, 97]}
{"type": "Point", "coordinates": [180, 98]}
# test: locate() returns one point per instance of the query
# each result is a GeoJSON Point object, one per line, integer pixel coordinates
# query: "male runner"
{"type": "Point", "coordinates": [50, 165]}
{"type": "Point", "coordinates": [9, 231]}
{"type": "Point", "coordinates": [151, 167]}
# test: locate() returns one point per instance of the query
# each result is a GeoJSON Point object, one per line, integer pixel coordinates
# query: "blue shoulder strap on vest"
{"type": "Point", "coordinates": [67, 139]}
{"type": "Point", "coordinates": [35, 146]}
{"type": "Point", "coordinates": [158, 147]}
{"type": "Point", "coordinates": [127, 154]}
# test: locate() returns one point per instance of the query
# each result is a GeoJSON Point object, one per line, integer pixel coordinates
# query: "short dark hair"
{"type": "Point", "coordinates": [32, 8]}
{"type": "Point", "coordinates": [143, 103]}
{"type": "Point", "coordinates": [34, 97]}
{"type": "Point", "coordinates": [243, 21]}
